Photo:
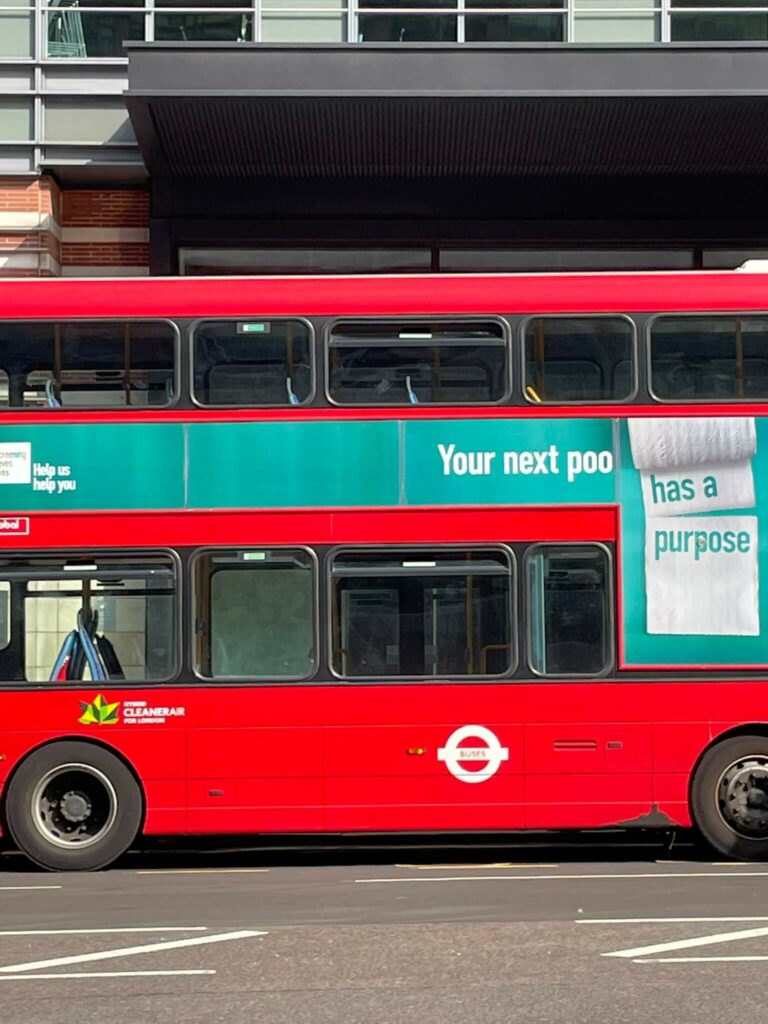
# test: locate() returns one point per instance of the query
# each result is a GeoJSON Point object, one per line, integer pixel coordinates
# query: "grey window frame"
{"type": "Point", "coordinates": [308, 401]}
{"type": "Point", "coordinates": [384, 550]}
{"type": "Point", "coordinates": [255, 681]}
{"type": "Point", "coordinates": [108, 554]}
{"type": "Point", "coordinates": [497, 319]}
{"type": "Point", "coordinates": [612, 622]}
{"type": "Point", "coordinates": [120, 410]}
{"type": "Point", "coordinates": [733, 314]}
{"type": "Point", "coordinates": [635, 357]}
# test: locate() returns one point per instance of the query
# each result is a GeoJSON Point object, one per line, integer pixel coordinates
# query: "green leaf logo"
{"type": "Point", "coordinates": [99, 712]}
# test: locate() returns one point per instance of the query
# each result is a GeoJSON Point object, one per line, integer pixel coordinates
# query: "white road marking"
{"type": "Point", "coordinates": [662, 920]}
{"type": "Point", "coordinates": [27, 888]}
{"type": "Point", "coordinates": [205, 871]}
{"type": "Point", "coordinates": [470, 867]}
{"type": "Point", "coordinates": [100, 974]}
{"type": "Point", "coordinates": [112, 954]}
{"type": "Point", "coordinates": [697, 959]}
{"type": "Point", "coordinates": [102, 931]}
{"type": "Point", "coordinates": [563, 878]}
{"type": "Point", "coordinates": [702, 940]}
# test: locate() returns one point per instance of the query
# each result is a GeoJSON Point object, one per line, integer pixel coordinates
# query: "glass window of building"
{"type": "Point", "coordinates": [579, 359]}
{"type": "Point", "coordinates": [407, 21]}
{"type": "Point", "coordinates": [255, 614]}
{"type": "Point", "coordinates": [304, 21]}
{"type": "Point", "coordinates": [715, 20]}
{"type": "Point", "coordinates": [414, 363]}
{"type": "Point", "coordinates": [422, 614]}
{"type": "Point", "coordinates": [74, 31]}
{"type": "Point", "coordinates": [252, 363]}
{"type": "Point", "coordinates": [508, 21]}
{"type": "Point", "coordinates": [233, 24]}
{"type": "Point", "coordinates": [709, 358]}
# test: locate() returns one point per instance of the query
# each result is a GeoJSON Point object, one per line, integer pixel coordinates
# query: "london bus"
{"type": "Point", "coordinates": [382, 555]}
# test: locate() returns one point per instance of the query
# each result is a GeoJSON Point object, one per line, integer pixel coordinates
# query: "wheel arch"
{"type": "Point", "coordinates": [73, 738]}
{"type": "Point", "coordinates": [745, 729]}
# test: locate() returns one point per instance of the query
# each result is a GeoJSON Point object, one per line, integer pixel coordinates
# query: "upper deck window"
{"type": "Point", "coordinates": [579, 359]}
{"type": "Point", "coordinates": [252, 363]}
{"type": "Point", "coordinates": [87, 364]}
{"type": "Point", "coordinates": [709, 357]}
{"type": "Point", "coordinates": [415, 363]}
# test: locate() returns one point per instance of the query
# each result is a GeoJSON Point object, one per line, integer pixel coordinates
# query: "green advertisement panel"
{"type": "Point", "coordinates": [694, 547]}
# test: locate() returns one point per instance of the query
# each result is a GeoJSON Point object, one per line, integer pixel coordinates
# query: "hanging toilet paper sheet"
{"type": "Point", "coordinates": [700, 464]}
{"type": "Point", "coordinates": [702, 576]}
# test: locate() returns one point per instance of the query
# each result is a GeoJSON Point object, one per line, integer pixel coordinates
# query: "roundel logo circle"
{"type": "Point", "coordinates": [456, 751]}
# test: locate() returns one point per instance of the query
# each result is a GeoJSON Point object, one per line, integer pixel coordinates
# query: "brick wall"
{"type": "Point", "coordinates": [47, 232]}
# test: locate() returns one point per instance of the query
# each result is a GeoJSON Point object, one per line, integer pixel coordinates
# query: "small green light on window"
{"type": "Point", "coordinates": [253, 328]}
{"type": "Point", "coordinates": [254, 556]}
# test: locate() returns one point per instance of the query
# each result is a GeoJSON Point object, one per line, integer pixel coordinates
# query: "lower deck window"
{"type": "Point", "coordinates": [569, 610]}
{"type": "Point", "coordinates": [422, 613]}
{"type": "Point", "coordinates": [98, 618]}
{"type": "Point", "coordinates": [254, 614]}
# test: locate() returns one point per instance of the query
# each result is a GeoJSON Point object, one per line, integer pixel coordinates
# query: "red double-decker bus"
{"type": "Point", "coordinates": [396, 554]}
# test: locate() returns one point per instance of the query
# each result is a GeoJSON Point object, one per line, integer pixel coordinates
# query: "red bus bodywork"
{"type": "Point", "coordinates": [364, 757]}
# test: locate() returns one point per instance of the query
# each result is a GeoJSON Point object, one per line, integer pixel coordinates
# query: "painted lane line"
{"type": "Point", "coordinates": [100, 974]}
{"type": "Point", "coordinates": [562, 878]}
{"type": "Point", "coordinates": [703, 940]}
{"type": "Point", "coordinates": [101, 931]}
{"type": "Point", "coordinates": [471, 867]}
{"type": "Point", "coordinates": [27, 888]}
{"type": "Point", "coordinates": [112, 954]}
{"type": "Point", "coordinates": [206, 871]}
{"type": "Point", "coordinates": [698, 959]}
{"type": "Point", "coordinates": [663, 920]}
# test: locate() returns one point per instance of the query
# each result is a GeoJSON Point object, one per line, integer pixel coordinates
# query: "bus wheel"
{"type": "Point", "coordinates": [729, 797]}
{"type": "Point", "coordinates": [73, 807]}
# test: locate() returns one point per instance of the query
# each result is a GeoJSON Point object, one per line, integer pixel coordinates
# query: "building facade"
{"type": "Point", "coordinates": [145, 136]}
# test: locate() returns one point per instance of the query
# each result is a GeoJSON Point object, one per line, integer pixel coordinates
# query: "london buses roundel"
{"type": "Point", "coordinates": [456, 751]}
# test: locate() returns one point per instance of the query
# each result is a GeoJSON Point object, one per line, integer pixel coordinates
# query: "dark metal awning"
{"type": "Point", "coordinates": [436, 111]}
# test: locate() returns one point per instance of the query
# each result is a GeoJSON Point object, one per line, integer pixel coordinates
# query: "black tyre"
{"type": "Point", "coordinates": [73, 807]}
{"type": "Point", "coordinates": [729, 797]}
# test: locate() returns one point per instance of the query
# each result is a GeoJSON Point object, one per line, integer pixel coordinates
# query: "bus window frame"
{"type": "Point", "coordinates": [494, 318]}
{"type": "Point", "coordinates": [178, 646]}
{"type": "Point", "coordinates": [407, 680]}
{"type": "Point", "coordinates": [634, 352]}
{"type": "Point", "coordinates": [5, 410]}
{"type": "Point", "coordinates": [312, 348]}
{"type": "Point", "coordinates": [733, 314]}
{"type": "Point", "coordinates": [194, 556]}
{"type": "Point", "coordinates": [611, 667]}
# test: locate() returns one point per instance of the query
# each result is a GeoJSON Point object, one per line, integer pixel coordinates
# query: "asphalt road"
{"type": "Point", "coordinates": [543, 934]}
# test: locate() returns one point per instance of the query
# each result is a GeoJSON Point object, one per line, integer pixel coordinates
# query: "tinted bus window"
{"type": "Point", "coordinates": [401, 363]}
{"type": "Point", "coordinates": [712, 357]}
{"type": "Point", "coordinates": [579, 359]}
{"type": "Point", "coordinates": [422, 613]}
{"type": "Point", "coordinates": [569, 610]}
{"type": "Point", "coordinates": [252, 363]}
{"type": "Point", "coordinates": [100, 618]}
{"type": "Point", "coordinates": [255, 614]}
{"type": "Point", "coordinates": [96, 364]}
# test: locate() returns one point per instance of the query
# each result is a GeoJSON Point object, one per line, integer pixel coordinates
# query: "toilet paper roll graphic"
{"type": "Point", "coordinates": [696, 464]}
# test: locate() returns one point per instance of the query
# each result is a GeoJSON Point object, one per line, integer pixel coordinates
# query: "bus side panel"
{"type": "Point", "coordinates": [156, 752]}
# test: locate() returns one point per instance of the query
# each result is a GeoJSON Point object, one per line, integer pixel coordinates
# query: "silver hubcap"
{"type": "Point", "coordinates": [742, 796]}
{"type": "Point", "coordinates": [74, 805]}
